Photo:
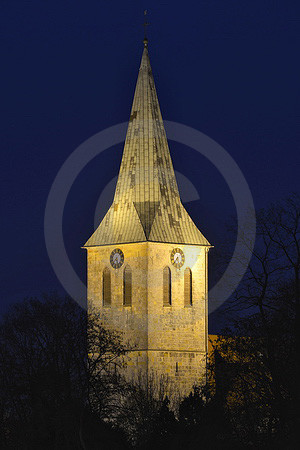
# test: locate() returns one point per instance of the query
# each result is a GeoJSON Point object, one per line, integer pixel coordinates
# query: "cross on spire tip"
{"type": "Point", "coordinates": [145, 29]}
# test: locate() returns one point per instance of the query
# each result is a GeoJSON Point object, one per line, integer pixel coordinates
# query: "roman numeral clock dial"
{"type": "Point", "coordinates": [116, 258]}
{"type": "Point", "coordinates": [177, 258]}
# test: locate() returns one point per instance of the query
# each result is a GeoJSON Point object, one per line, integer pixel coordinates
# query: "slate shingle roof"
{"type": "Point", "coordinates": [147, 203]}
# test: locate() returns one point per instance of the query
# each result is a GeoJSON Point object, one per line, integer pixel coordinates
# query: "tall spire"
{"type": "Point", "coordinates": [146, 203]}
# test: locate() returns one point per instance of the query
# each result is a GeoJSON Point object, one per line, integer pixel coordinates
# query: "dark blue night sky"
{"type": "Point", "coordinates": [68, 70]}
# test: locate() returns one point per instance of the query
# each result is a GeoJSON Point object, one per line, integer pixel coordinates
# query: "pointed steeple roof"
{"type": "Point", "coordinates": [147, 205]}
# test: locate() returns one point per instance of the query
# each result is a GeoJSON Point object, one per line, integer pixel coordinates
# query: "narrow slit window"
{"type": "Point", "coordinates": [188, 291]}
{"type": "Point", "coordinates": [106, 287]}
{"type": "Point", "coordinates": [167, 287]}
{"type": "Point", "coordinates": [127, 286]}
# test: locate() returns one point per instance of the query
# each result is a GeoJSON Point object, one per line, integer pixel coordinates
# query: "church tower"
{"type": "Point", "coordinates": [147, 260]}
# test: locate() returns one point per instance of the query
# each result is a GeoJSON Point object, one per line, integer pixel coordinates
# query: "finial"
{"type": "Point", "coordinates": [145, 29]}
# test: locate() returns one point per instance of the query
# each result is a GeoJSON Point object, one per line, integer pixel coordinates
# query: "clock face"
{"type": "Point", "coordinates": [116, 258]}
{"type": "Point", "coordinates": [177, 257]}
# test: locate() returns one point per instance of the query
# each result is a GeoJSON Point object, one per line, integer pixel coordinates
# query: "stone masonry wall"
{"type": "Point", "coordinates": [169, 340]}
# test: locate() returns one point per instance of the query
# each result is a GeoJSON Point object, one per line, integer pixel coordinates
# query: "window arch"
{"type": "Point", "coordinates": [127, 286]}
{"type": "Point", "coordinates": [167, 292]}
{"type": "Point", "coordinates": [106, 287]}
{"type": "Point", "coordinates": [188, 291]}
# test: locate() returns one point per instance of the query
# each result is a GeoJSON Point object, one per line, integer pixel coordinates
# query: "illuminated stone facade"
{"type": "Point", "coordinates": [158, 303]}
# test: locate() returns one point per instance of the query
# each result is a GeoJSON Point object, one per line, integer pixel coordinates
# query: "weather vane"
{"type": "Point", "coordinates": [145, 27]}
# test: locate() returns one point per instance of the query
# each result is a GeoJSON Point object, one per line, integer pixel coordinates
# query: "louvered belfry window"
{"type": "Point", "coordinates": [188, 300]}
{"type": "Point", "coordinates": [127, 286]}
{"type": "Point", "coordinates": [167, 286]}
{"type": "Point", "coordinates": [106, 287]}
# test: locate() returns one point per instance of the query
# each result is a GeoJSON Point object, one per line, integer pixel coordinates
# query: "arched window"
{"type": "Point", "coordinates": [127, 299]}
{"type": "Point", "coordinates": [188, 299]}
{"type": "Point", "coordinates": [167, 287]}
{"type": "Point", "coordinates": [106, 287]}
